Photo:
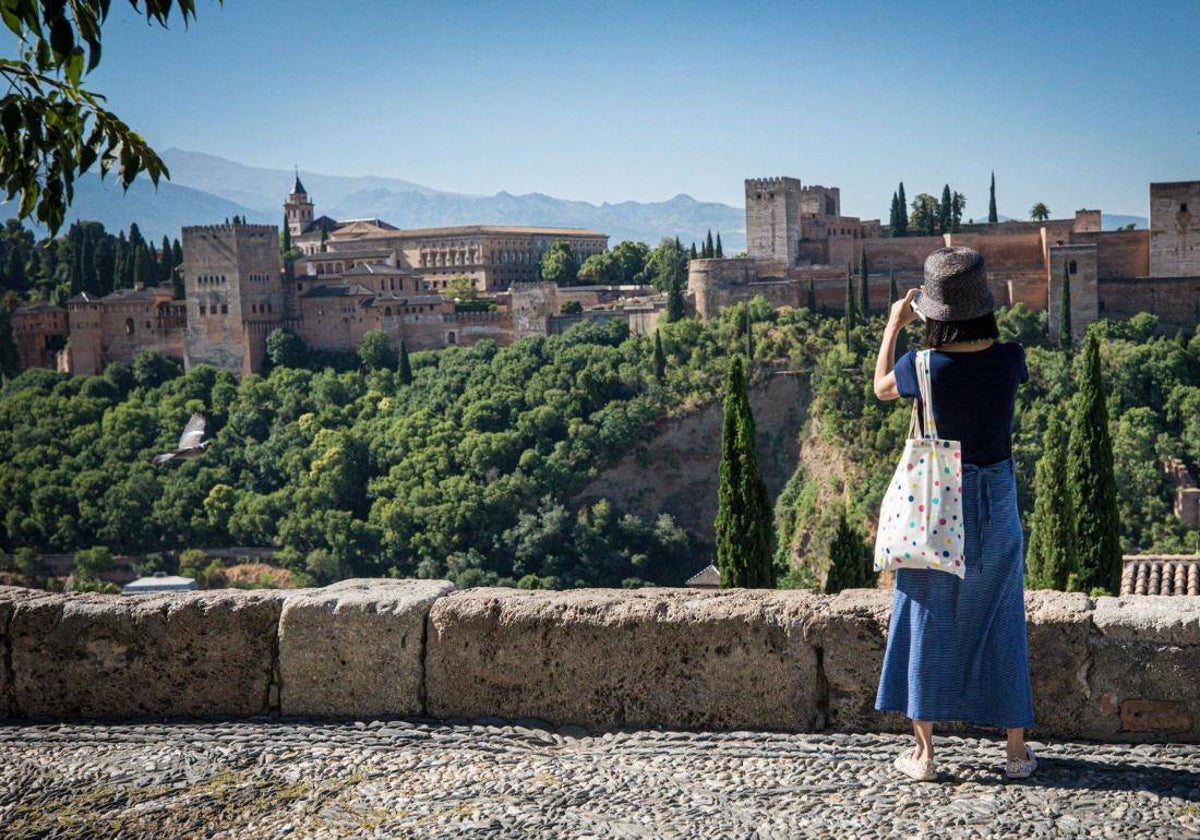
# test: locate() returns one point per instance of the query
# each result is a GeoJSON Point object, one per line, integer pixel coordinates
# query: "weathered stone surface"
{"type": "Point", "coordinates": [1155, 716]}
{"type": "Point", "coordinates": [1147, 649]}
{"type": "Point", "coordinates": [681, 658]}
{"type": "Point", "coordinates": [9, 597]}
{"type": "Point", "coordinates": [850, 634]}
{"type": "Point", "coordinates": [355, 649]}
{"type": "Point", "coordinates": [194, 653]}
{"type": "Point", "coordinates": [1058, 624]}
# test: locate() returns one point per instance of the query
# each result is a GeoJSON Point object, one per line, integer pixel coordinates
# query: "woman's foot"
{"type": "Point", "coordinates": [918, 769]}
{"type": "Point", "coordinates": [1021, 768]}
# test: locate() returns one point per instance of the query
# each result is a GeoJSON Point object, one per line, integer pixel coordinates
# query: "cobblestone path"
{"type": "Point", "coordinates": [492, 779]}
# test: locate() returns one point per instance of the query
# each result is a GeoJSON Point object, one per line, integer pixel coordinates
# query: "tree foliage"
{"type": "Point", "coordinates": [744, 519]}
{"type": "Point", "coordinates": [559, 264]}
{"type": "Point", "coordinates": [52, 128]}
{"type": "Point", "coordinates": [850, 560]}
{"type": "Point", "coordinates": [1050, 557]}
{"type": "Point", "coordinates": [1091, 480]}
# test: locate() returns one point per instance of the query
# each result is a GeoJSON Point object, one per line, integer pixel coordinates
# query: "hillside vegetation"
{"type": "Point", "coordinates": [467, 472]}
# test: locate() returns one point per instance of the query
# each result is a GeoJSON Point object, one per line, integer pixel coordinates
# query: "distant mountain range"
{"type": "Point", "coordinates": [205, 189]}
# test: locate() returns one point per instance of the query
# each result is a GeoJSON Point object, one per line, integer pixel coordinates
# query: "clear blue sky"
{"type": "Point", "coordinates": [1072, 104]}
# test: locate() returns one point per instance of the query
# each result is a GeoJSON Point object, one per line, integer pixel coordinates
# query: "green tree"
{"type": "Point", "coordinates": [1050, 559]}
{"type": "Point", "coordinates": [902, 216]}
{"type": "Point", "coordinates": [748, 329]}
{"type": "Point", "coordinates": [55, 129]}
{"type": "Point", "coordinates": [743, 524]}
{"type": "Point", "coordinates": [461, 287]}
{"type": "Point", "coordinates": [559, 265]}
{"type": "Point", "coordinates": [924, 217]}
{"type": "Point", "coordinates": [601, 269]}
{"type": "Point", "coordinates": [720, 254]}
{"type": "Point", "coordinates": [992, 215]}
{"type": "Point", "coordinates": [404, 367]}
{"type": "Point", "coordinates": [630, 257]}
{"type": "Point", "coordinates": [1091, 481]}
{"type": "Point", "coordinates": [894, 216]}
{"type": "Point", "coordinates": [693, 253]}
{"type": "Point", "coordinates": [945, 211]}
{"type": "Point", "coordinates": [850, 561]}
{"type": "Point", "coordinates": [286, 349]}
{"type": "Point", "coordinates": [1039, 212]}
{"type": "Point", "coordinates": [376, 352]}
{"type": "Point", "coordinates": [893, 289]}
{"type": "Point", "coordinates": [849, 320]}
{"type": "Point", "coordinates": [660, 358]}
{"type": "Point", "coordinates": [10, 357]}
{"type": "Point", "coordinates": [864, 282]}
{"type": "Point", "coordinates": [1064, 308]}
{"type": "Point", "coordinates": [143, 267]}
{"type": "Point", "coordinates": [812, 295]}
{"type": "Point", "coordinates": [958, 203]}
{"type": "Point", "coordinates": [710, 250]}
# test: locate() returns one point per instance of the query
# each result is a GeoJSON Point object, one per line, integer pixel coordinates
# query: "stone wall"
{"type": "Point", "coordinates": [1111, 668]}
{"type": "Point", "coordinates": [1175, 300]}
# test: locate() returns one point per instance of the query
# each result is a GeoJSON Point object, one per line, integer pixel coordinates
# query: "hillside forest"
{"type": "Point", "coordinates": [467, 470]}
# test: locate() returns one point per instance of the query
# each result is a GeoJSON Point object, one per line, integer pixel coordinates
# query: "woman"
{"type": "Point", "coordinates": [956, 648]}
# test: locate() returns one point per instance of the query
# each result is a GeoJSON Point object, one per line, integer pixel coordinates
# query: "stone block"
{"type": "Point", "coordinates": [849, 632]}
{"type": "Point", "coordinates": [1058, 625]}
{"type": "Point", "coordinates": [177, 654]}
{"type": "Point", "coordinates": [678, 658]}
{"type": "Point", "coordinates": [355, 649]}
{"type": "Point", "coordinates": [9, 597]}
{"type": "Point", "coordinates": [1145, 655]}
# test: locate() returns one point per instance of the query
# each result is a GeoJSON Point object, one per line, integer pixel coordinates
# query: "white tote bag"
{"type": "Point", "coordinates": [921, 520]}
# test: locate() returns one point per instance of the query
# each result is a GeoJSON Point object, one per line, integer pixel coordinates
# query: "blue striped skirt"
{"type": "Point", "coordinates": [956, 649]}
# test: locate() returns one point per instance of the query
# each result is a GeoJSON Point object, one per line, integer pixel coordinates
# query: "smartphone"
{"type": "Point", "coordinates": [915, 301]}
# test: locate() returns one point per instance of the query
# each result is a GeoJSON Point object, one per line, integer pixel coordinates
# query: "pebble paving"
{"type": "Point", "coordinates": [526, 779]}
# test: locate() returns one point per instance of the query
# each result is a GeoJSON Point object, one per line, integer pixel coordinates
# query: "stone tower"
{"type": "Point", "coordinates": [298, 209]}
{"type": "Point", "coordinates": [1175, 229]}
{"type": "Point", "coordinates": [773, 219]}
{"type": "Point", "coordinates": [235, 297]}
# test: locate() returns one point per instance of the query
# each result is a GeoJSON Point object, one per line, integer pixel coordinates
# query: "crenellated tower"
{"type": "Point", "coordinates": [773, 219]}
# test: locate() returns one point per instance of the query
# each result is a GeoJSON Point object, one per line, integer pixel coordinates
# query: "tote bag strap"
{"type": "Point", "coordinates": [929, 426]}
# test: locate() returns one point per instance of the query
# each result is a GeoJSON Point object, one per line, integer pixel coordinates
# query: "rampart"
{"type": "Point", "coordinates": [1110, 668]}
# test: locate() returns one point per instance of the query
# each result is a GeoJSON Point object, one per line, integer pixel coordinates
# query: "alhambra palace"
{"type": "Point", "coordinates": [361, 275]}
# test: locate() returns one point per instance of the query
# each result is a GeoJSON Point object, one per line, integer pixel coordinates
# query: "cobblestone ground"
{"type": "Point", "coordinates": [491, 779]}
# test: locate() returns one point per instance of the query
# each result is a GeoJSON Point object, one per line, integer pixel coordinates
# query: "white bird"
{"type": "Point", "coordinates": [190, 443]}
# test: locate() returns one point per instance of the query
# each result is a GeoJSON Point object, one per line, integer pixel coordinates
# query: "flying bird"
{"type": "Point", "coordinates": [190, 443]}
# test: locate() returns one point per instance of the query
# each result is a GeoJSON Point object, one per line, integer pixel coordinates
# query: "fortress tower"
{"type": "Point", "coordinates": [235, 297]}
{"type": "Point", "coordinates": [1175, 229]}
{"type": "Point", "coordinates": [298, 209]}
{"type": "Point", "coordinates": [773, 219]}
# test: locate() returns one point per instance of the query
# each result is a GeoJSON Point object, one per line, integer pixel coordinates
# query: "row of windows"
{"type": "Point", "coordinates": [260, 308]}
{"type": "Point", "coordinates": [210, 279]}
{"type": "Point", "coordinates": [259, 278]}
{"type": "Point", "coordinates": [213, 308]}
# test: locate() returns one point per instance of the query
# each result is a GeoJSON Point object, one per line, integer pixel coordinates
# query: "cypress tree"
{"type": "Point", "coordinates": [87, 257]}
{"type": "Point", "coordinates": [165, 261]}
{"type": "Point", "coordinates": [104, 260]}
{"type": "Point", "coordinates": [1064, 313]}
{"type": "Point", "coordinates": [285, 236]}
{"type": "Point", "coordinates": [812, 295]}
{"type": "Point", "coordinates": [404, 367]}
{"type": "Point", "coordinates": [694, 254]}
{"type": "Point", "coordinates": [863, 280]}
{"type": "Point", "coordinates": [143, 267]}
{"type": "Point", "coordinates": [850, 565]}
{"type": "Point", "coordinates": [743, 524]}
{"type": "Point", "coordinates": [1050, 559]}
{"type": "Point", "coordinates": [848, 318]}
{"type": "Point", "coordinates": [660, 358]}
{"type": "Point", "coordinates": [122, 255]}
{"type": "Point", "coordinates": [709, 248]}
{"type": "Point", "coordinates": [720, 251]}
{"type": "Point", "coordinates": [893, 290]}
{"type": "Point", "coordinates": [892, 223]}
{"type": "Point", "coordinates": [749, 328]}
{"type": "Point", "coordinates": [1091, 482]}
{"type": "Point", "coordinates": [944, 211]}
{"type": "Point", "coordinates": [902, 215]}
{"type": "Point", "coordinates": [10, 356]}
{"type": "Point", "coordinates": [176, 253]}
{"type": "Point", "coordinates": [992, 215]}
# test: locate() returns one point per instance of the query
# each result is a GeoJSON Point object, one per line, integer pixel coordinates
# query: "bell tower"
{"type": "Point", "coordinates": [298, 209]}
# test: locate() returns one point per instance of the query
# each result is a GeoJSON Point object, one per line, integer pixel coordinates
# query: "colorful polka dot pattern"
{"type": "Point", "coordinates": [921, 520]}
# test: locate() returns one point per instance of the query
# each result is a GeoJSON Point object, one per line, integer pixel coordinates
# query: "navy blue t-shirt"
{"type": "Point", "coordinates": [974, 395]}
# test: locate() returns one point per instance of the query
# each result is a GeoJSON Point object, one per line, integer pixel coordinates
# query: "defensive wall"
{"type": "Point", "coordinates": [1108, 668]}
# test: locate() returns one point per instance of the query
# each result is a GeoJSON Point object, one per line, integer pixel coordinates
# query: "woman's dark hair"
{"type": "Point", "coordinates": [938, 333]}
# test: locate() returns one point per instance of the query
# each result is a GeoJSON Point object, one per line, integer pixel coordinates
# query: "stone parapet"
{"type": "Point", "coordinates": [1113, 668]}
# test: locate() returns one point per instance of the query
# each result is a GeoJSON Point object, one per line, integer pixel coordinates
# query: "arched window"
{"type": "Point", "coordinates": [451, 338]}
{"type": "Point", "coordinates": [128, 326]}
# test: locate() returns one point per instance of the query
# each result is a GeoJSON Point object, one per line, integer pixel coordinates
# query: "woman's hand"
{"type": "Point", "coordinates": [902, 313]}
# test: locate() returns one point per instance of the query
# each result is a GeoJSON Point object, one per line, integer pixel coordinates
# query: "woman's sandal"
{"type": "Point", "coordinates": [920, 770]}
{"type": "Point", "coordinates": [1021, 768]}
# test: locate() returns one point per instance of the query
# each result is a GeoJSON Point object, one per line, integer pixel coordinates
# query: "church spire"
{"type": "Point", "coordinates": [297, 187]}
